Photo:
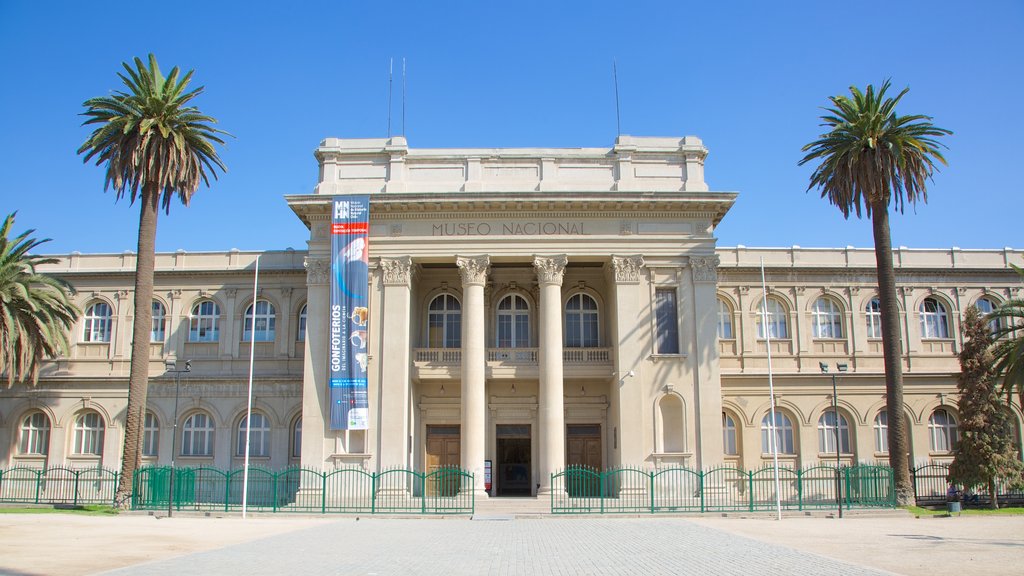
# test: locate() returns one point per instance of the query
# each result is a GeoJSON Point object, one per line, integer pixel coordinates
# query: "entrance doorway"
{"type": "Point", "coordinates": [583, 446]}
{"type": "Point", "coordinates": [513, 460]}
{"type": "Point", "coordinates": [443, 451]}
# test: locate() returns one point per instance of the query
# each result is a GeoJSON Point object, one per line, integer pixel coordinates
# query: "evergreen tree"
{"type": "Point", "coordinates": [985, 452]}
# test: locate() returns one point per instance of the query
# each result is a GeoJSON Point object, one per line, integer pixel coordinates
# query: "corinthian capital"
{"type": "Point", "coordinates": [318, 270]}
{"type": "Point", "coordinates": [473, 269]}
{"type": "Point", "coordinates": [397, 271]}
{"type": "Point", "coordinates": [550, 269]}
{"type": "Point", "coordinates": [627, 268]}
{"type": "Point", "coordinates": [705, 268]}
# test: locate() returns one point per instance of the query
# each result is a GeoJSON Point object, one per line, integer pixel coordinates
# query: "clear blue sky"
{"type": "Point", "coordinates": [747, 77]}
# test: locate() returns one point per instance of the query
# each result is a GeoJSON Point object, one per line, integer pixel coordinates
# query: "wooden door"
{"type": "Point", "coordinates": [583, 459]}
{"type": "Point", "coordinates": [444, 450]}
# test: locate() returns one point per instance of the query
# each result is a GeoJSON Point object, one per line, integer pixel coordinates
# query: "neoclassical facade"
{"type": "Point", "coordinates": [529, 309]}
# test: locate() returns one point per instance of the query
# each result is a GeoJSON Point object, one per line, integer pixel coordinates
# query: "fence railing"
{"type": "Point", "coordinates": [399, 491]}
{"type": "Point", "coordinates": [58, 485]}
{"type": "Point", "coordinates": [585, 491]}
{"type": "Point", "coordinates": [931, 484]}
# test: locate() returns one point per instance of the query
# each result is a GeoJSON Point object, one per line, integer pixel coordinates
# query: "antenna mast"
{"type": "Point", "coordinates": [391, 64]}
{"type": "Point", "coordinates": [618, 120]}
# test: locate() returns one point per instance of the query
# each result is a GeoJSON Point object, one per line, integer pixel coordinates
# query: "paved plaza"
{"type": "Point", "coordinates": [65, 545]}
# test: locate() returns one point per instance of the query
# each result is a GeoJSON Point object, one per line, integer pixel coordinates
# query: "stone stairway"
{"type": "Point", "coordinates": [512, 507]}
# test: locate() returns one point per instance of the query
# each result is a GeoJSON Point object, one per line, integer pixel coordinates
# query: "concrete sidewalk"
{"type": "Point", "coordinates": [72, 545]}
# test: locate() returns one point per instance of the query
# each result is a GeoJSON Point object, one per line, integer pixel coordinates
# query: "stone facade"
{"type": "Point", "coordinates": [530, 307]}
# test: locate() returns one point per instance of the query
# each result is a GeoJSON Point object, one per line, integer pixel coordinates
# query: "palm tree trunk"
{"type": "Point", "coordinates": [138, 378]}
{"type": "Point", "coordinates": [891, 349]}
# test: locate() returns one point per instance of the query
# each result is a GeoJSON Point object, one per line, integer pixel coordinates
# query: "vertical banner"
{"type": "Point", "coordinates": [349, 312]}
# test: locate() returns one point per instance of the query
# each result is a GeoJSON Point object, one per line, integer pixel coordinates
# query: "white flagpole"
{"type": "Point", "coordinates": [248, 409]}
{"type": "Point", "coordinates": [771, 392]}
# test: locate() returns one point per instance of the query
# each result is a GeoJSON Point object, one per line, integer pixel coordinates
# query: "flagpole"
{"type": "Point", "coordinates": [771, 393]}
{"type": "Point", "coordinates": [248, 409]}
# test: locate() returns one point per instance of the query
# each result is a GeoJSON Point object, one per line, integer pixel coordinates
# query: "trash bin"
{"type": "Point", "coordinates": [953, 507]}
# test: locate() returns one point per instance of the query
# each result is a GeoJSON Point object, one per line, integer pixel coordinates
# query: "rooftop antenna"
{"type": "Point", "coordinates": [391, 64]}
{"type": "Point", "coordinates": [615, 77]}
{"type": "Point", "coordinates": [403, 96]}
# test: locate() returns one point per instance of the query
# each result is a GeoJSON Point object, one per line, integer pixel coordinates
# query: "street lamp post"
{"type": "Point", "coordinates": [841, 367]}
{"type": "Point", "coordinates": [171, 367]}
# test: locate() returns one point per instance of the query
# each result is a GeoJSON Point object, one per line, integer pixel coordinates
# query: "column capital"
{"type": "Point", "coordinates": [397, 271]}
{"type": "Point", "coordinates": [318, 270]}
{"type": "Point", "coordinates": [705, 268]}
{"type": "Point", "coordinates": [473, 269]}
{"type": "Point", "coordinates": [627, 268]}
{"type": "Point", "coordinates": [550, 269]}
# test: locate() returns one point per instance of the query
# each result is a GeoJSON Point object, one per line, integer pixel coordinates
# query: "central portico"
{"type": "Point", "coordinates": [535, 308]}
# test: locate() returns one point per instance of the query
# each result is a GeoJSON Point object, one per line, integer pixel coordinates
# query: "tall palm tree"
{"type": "Point", "coordinates": [155, 145]}
{"type": "Point", "coordinates": [872, 158]}
{"type": "Point", "coordinates": [1008, 348]}
{"type": "Point", "coordinates": [36, 312]}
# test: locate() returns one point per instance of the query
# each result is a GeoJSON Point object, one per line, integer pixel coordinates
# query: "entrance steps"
{"type": "Point", "coordinates": [510, 506]}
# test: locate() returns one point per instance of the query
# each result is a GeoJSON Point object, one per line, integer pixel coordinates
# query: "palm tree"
{"type": "Point", "coordinates": [871, 158]}
{"type": "Point", "coordinates": [155, 145]}
{"type": "Point", "coordinates": [36, 313]}
{"type": "Point", "coordinates": [1008, 348]}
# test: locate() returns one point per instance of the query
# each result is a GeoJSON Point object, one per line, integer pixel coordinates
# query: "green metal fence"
{"type": "Point", "coordinates": [398, 491]}
{"type": "Point", "coordinates": [58, 485]}
{"type": "Point", "coordinates": [579, 490]}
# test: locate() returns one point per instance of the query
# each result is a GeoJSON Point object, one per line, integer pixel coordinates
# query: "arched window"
{"type": "Point", "coordinates": [259, 436]}
{"type": "Point", "coordinates": [826, 318]}
{"type": "Point", "coordinates": [444, 322]}
{"type": "Point", "coordinates": [873, 312]}
{"type": "Point", "coordinates": [513, 328]}
{"type": "Point", "coordinates": [933, 319]}
{"type": "Point", "coordinates": [827, 433]}
{"type": "Point", "coordinates": [882, 432]}
{"type": "Point", "coordinates": [943, 433]}
{"type": "Point", "coordinates": [202, 323]}
{"type": "Point", "coordinates": [296, 450]}
{"type": "Point", "coordinates": [730, 442]}
{"type": "Point", "coordinates": [300, 334]}
{"type": "Point", "coordinates": [35, 434]}
{"type": "Point", "coordinates": [97, 323]}
{"type": "Point", "coordinates": [671, 408]}
{"type": "Point", "coordinates": [89, 430]}
{"type": "Point", "coordinates": [159, 322]}
{"type": "Point", "coordinates": [581, 321]}
{"type": "Point", "coordinates": [150, 435]}
{"type": "Point", "coordinates": [777, 325]}
{"type": "Point", "coordinates": [783, 433]}
{"type": "Point", "coordinates": [266, 317]}
{"type": "Point", "coordinates": [197, 435]}
{"type": "Point", "coordinates": [986, 305]}
{"type": "Point", "coordinates": [724, 320]}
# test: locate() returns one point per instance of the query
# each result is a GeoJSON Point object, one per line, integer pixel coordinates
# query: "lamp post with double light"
{"type": "Point", "coordinates": [840, 367]}
{"type": "Point", "coordinates": [172, 368]}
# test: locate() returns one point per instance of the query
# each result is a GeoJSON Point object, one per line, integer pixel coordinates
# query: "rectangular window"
{"type": "Point", "coordinates": [666, 322]}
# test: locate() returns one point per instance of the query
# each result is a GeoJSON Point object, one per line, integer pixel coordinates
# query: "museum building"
{"type": "Point", "coordinates": [528, 308]}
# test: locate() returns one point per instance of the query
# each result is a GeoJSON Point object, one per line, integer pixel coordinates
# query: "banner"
{"type": "Point", "coordinates": [349, 312]}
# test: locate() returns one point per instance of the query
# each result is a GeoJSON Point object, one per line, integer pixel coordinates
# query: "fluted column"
{"type": "Point", "coordinates": [474, 396]}
{"type": "Point", "coordinates": [550, 270]}
{"type": "Point", "coordinates": [395, 392]}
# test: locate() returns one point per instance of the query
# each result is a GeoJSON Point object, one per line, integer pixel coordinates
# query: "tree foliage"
{"type": "Point", "coordinates": [1009, 347]}
{"type": "Point", "coordinates": [986, 451]}
{"type": "Point", "coordinates": [36, 312]}
{"type": "Point", "coordinates": [871, 157]}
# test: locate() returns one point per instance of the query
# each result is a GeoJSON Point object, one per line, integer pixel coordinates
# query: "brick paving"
{"type": "Point", "coordinates": [559, 546]}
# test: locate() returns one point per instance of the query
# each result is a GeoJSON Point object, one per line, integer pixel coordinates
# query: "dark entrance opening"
{"type": "Point", "coordinates": [513, 460]}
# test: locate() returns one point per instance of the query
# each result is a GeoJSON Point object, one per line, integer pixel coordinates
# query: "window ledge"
{"type": "Point", "coordinates": [663, 357]}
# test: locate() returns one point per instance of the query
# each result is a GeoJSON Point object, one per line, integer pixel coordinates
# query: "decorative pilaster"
{"type": "Point", "coordinates": [474, 362]}
{"type": "Point", "coordinates": [550, 271]}
{"type": "Point", "coordinates": [318, 271]}
{"type": "Point", "coordinates": [394, 371]}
